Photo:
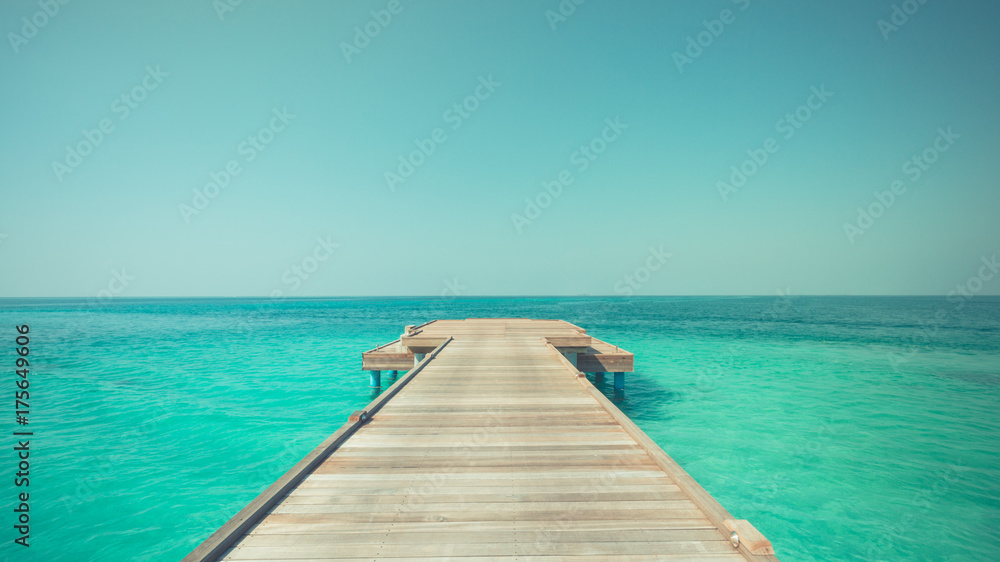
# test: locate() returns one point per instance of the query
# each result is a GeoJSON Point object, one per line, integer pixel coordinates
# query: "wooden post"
{"type": "Point", "coordinates": [619, 381]}
{"type": "Point", "coordinates": [375, 379]}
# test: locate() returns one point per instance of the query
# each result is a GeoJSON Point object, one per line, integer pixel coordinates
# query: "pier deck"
{"type": "Point", "coordinates": [493, 447]}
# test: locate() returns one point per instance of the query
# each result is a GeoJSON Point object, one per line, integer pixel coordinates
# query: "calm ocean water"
{"type": "Point", "coordinates": [847, 428]}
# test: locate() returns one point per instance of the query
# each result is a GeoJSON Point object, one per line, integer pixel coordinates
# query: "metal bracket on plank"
{"type": "Point", "coordinates": [742, 532]}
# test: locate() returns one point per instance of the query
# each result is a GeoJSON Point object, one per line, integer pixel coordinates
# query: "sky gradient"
{"type": "Point", "coordinates": [631, 124]}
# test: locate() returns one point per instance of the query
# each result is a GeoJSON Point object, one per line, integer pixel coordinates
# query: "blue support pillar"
{"type": "Point", "coordinates": [619, 381]}
{"type": "Point", "coordinates": [375, 379]}
{"type": "Point", "coordinates": [599, 377]}
{"type": "Point", "coordinates": [571, 357]}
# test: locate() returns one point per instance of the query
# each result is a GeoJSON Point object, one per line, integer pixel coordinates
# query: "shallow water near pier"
{"type": "Point", "coordinates": [843, 428]}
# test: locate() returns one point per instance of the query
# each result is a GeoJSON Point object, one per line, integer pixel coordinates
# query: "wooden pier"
{"type": "Point", "coordinates": [493, 445]}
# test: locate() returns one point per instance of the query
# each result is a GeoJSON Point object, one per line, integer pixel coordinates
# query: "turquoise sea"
{"type": "Point", "coordinates": [844, 428]}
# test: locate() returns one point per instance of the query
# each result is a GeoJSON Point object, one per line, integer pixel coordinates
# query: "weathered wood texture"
{"type": "Point", "coordinates": [593, 356]}
{"type": "Point", "coordinates": [496, 449]}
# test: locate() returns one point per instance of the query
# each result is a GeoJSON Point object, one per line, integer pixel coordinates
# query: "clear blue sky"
{"type": "Point", "coordinates": [546, 86]}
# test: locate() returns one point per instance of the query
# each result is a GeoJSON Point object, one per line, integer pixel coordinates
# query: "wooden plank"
{"type": "Point", "coordinates": [570, 341]}
{"type": "Point", "coordinates": [323, 496]}
{"type": "Point", "coordinates": [321, 557]}
{"type": "Point", "coordinates": [605, 362]}
{"type": "Point", "coordinates": [416, 503]}
{"type": "Point", "coordinates": [387, 549]}
{"type": "Point", "coordinates": [291, 537]}
{"type": "Point", "coordinates": [422, 343]}
{"type": "Point", "coordinates": [386, 361]}
{"type": "Point", "coordinates": [487, 516]}
{"type": "Point", "coordinates": [600, 527]}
